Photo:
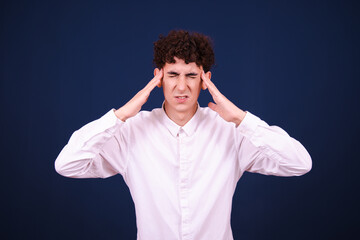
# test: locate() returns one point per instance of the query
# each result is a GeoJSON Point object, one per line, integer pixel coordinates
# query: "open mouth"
{"type": "Point", "coordinates": [181, 99]}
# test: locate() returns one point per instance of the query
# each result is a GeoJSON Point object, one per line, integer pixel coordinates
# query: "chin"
{"type": "Point", "coordinates": [184, 107]}
{"type": "Point", "coordinates": [181, 107]}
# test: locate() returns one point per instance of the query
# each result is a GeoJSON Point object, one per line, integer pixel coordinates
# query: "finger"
{"type": "Point", "coordinates": [154, 82]}
{"type": "Point", "coordinates": [206, 79]}
{"type": "Point", "coordinates": [212, 106]}
{"type": "Point", "coordinates": [161, 75]}
{"type": "Point", "coordinates": [157, 77]}
{"type": "Point", "coordinates": [208, 82]}
{"type": "Point", "coordinates": [151, 85]}
{"type": "Point", "coordinates": [210, 85]}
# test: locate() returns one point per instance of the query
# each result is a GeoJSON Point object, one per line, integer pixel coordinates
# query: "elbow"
{"type": "Point", "coordinates": [307, 162]}
{"type": "Point", "coordinates": [59, 168]}
{"type": "Point", "coordinates": [62, 167]}
{"type": "Point", "coordinates": [304, 161]}
{"type": "Point", "coordinates": [73, 168]}
{"type": "Point", "coordinates": [305, 166]}
{"type": "Point", "coordinates": [308, 165]}
{"type": "Point", "coordinates": [299, 166]}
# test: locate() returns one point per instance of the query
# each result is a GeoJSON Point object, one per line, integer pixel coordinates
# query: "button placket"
{"type": "Point", "coordinates": [184, 186]}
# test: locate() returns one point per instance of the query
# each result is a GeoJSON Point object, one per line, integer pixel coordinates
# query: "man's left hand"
{"type": "Point", "coordinates": [223, 106]}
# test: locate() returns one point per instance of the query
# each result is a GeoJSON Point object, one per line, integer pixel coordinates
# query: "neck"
{"type": "Point", "coordinates": [180, 118]}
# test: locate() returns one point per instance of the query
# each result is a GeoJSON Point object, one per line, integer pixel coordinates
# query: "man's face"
{"type": "Point", "coordinates": [181, 85]}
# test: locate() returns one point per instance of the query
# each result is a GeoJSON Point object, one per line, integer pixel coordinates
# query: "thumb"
{"type": "Point", "coordinates": [212, 106]}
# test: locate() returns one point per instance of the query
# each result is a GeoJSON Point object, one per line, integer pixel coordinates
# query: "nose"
{"type": "Point", "coordinates": [181, 85]}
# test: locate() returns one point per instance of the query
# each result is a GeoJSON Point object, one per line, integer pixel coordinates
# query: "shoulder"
{"type": "Point", "coordinates": [210, 117]}
{"type": "Point", "coordinates": [207, 112]}
{"type": "Point", "coordinates": [145, 117]}
{"type": "Point", "coordinates": [212, 126]}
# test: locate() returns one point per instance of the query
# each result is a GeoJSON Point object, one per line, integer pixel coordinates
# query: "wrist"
{"type": "Point", "coordinates": [239, 117]}
{"type": "Point", "coordinates": [120, 114]}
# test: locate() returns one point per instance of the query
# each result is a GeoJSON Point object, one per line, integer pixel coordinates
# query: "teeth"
{"type": "Point", "coordinates": [181, 97]}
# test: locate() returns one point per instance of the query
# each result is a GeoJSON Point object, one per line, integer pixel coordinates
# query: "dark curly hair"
{"type": "Point", "coordinates": [191, 47]}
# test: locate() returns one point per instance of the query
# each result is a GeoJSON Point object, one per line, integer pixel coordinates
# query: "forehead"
{"type": "Point", "coordinates": [180, 66]}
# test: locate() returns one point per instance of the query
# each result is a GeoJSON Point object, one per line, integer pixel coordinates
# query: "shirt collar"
{"type": "Point", "coordinates": [189, 128]}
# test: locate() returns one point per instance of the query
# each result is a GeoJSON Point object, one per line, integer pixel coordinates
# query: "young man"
{"type": "Point", "coordinates": [181, 162]}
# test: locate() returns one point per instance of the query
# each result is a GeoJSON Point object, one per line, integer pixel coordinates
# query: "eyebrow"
{"type": "Point", "coordinates": [188, 74]}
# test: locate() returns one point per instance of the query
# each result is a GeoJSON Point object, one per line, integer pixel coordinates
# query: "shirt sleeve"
{"type": "Point", "coordinates": [97, 150]}
{"type": "Point", "coordinates": [269, 150]}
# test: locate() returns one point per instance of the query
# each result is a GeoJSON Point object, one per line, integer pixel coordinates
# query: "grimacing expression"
{"type": "Point", "coordinates": [181, 85]}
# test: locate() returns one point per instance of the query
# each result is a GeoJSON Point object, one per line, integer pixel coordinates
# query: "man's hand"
{"type": "Point", "coordinates": [226, 109]}
{"type": "Point", "coordinates": [132, 107]}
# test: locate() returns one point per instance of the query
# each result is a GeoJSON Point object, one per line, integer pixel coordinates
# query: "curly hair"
{"type": "Point", "coordinates": [190, 47]}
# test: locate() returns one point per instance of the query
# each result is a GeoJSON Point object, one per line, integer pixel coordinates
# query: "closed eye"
{"type": "Point", "coordinates": [191, 75]}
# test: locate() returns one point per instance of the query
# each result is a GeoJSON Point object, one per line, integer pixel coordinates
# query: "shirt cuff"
{"type": "Point", "coordinates": [114, 115]}
{"type": "Point", "coordinates": [109, 120]}
{"type": "Point", "coordinates": [249, 124]}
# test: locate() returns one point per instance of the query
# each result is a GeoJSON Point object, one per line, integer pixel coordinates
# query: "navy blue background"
{"type": "Point", "coordinates": [295, 64]}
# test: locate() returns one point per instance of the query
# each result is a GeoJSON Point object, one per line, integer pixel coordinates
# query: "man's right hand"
{"type": "Point", "coordinates": [132, 107]}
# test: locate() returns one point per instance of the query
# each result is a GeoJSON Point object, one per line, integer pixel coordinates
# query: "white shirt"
{"type": "Point", "coordinates": [181, 179]}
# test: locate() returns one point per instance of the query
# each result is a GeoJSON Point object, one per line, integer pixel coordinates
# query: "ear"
{"type": "Point", "coordinates": [208, 75]}
{"type": "Point", "coordinates": [156, 71]}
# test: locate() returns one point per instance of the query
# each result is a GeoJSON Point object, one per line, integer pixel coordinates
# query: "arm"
{"type": "Point", "coordinates": [99, 149]}
{"type": "Point", "coordinates": [261, 148]}
{"type": "Point", "coordinates": [269, 150]}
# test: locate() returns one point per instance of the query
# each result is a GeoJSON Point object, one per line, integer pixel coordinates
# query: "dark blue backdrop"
{"type": "Point", "coordinates": [295, 64]}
